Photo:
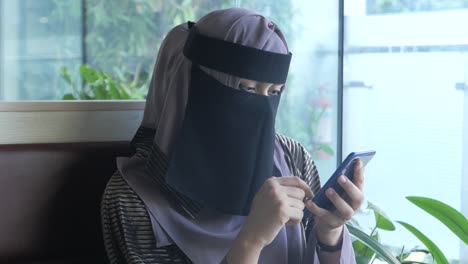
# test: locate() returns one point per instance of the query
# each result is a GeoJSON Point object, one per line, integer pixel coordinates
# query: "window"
{"type": "Point", "coordinates": [401, 6]}
{"type": "Point", "coordinates": [405, 83]}
{"type": "Point", "coordinates": [36, 38]}
{"type": "Point", "coordinates": [55, 50]}
{"type": "Point", "coordinates": [45, 43]}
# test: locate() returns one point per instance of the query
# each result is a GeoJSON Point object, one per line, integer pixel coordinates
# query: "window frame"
{"type": "Point", "coordinates": [341, 37]}
{"type": "Point", "coordinates": [29, 122]}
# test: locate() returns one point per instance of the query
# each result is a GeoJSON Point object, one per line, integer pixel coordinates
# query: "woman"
{"type": "Point", "coordinates": [200, 187]}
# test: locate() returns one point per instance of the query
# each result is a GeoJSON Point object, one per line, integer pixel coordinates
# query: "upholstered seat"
{"type": "Point", "coordinates": [50, 198]}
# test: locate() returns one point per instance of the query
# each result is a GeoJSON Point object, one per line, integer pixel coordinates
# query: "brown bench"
{"type": "Point", "coordinates": [49, 201]}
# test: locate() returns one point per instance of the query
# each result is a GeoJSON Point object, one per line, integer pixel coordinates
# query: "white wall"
{"type": "Point", "coordinates": [412, 115]}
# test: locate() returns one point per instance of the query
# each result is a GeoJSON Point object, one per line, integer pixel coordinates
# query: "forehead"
{"type": "Point", "coordinates": [253, 83]}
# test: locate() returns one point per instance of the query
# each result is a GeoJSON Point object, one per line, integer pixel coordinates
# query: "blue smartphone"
{"type": "Point", "coordinates": [346, 168]}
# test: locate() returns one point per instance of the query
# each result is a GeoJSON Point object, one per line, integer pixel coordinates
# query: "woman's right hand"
{"type": "Point", "coordinates": [280, 201]}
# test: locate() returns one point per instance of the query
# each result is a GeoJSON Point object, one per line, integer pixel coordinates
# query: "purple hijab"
{"type": "Point", "coordinates": [207, 238]}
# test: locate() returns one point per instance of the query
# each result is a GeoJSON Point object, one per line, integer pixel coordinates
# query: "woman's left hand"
{"type": "Point", "coordinates": [329, 224]}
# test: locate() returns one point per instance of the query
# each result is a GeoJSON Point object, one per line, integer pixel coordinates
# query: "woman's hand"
{"type": "Point", "coordinates": [329, 224]}
{"type": "Point", "coordinates": [278, 202]}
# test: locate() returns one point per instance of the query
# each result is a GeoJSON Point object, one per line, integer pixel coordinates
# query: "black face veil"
{"type": "Point", "coordinates": [224, 152]}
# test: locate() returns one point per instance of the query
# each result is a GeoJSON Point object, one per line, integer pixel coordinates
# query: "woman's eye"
{"type": "Point", "coordinates": [275, 92]}
{"type": "Point", "coordinates": [247, 89]}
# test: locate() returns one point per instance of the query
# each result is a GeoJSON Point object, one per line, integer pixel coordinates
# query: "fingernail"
{"type": "Point", "coordinates": [330, 191]}
{"type": "Point", "coordinates": [343, 179]}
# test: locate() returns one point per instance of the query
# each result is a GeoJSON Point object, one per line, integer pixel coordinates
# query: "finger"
{"type": "Point", "coordinates": [315, 209]}
{"type": "Point", "coordinates": [355, 195]}
{"type": "Point", "coordinates": [296, 203]}
{"type": "Point", "coordinates": [342, 207]}
{"type": "Point", "coordinates": [295, 215]}
{"type": "Point", "coordinates": [294, 181]}
{"type": "Point", "coordinates": [293, 192]}
{"type": "Point", "coordinates": [358, 179]}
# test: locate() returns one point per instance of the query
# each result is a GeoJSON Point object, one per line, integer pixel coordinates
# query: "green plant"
{"type": "Point", "coordinates": [431, 246]}
{"type": "Point", "coordinates": [313, 127]}
{"type": "Point", "coordinates": [100, 85]}
{"type": "Point", "coordinates": [367, 250]}
{"type": "Point", "coordinates": [367, 246]}
{"type": "Point", "coordinates": [123, 36]}
{"type": "Point", "coordinates": [446, 214]}
{"type": "Point", "coordinates": [319, 122]}
{"type": "Point", "coordinates": [365, 242]}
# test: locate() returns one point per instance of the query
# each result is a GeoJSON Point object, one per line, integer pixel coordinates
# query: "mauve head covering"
{"type": "Point", "coordinates": [168, 93]}
{"type": "Point", "coordinates": [208, 237]}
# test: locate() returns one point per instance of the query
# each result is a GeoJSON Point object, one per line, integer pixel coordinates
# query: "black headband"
{"type": "Point", "coordinates": [238, 60]}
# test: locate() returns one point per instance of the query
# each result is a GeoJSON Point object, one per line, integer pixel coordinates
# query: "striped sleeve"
{"type": "Point", "coordinates": [300, 162]}
{"type": "Point", "coordinates": [302, 165]}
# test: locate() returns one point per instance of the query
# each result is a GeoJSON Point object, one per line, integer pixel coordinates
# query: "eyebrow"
{"type": "Point", "coordinates": [249, 83]}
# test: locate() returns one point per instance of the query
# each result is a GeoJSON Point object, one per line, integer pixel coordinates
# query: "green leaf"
{"type": "Point", "coordinates": [403, 255]}
{"type": "Point", "coordinates": [125, 93]}
{"type": "Point", "coordinates": [113, 91]}
{"type": "Point", "coordinates": [327, 149]}
{"type": "Point", "coordinates": [446, 214]}
{"type": "Point", "coordinates": [359, 247]}
{"type": "Point", "coordinates": [382, 221]}
{"type": "Point", "coordinates": [106, 75]}
{"type": "Point", "coordinates": [435, 251]}
{"type": "Point", "coordinates": [354, 223]}
{"type": "Point", "coordinates": [363, 259]}
{"type": "Point", "coordinates": [100, 93]}
{"type": "Point", "coordinates": [378, 248]}
{"type": "Point", "coordinates": [68, 96]}
{"type": "Point", "coordinates": [88, 74]}
{"type": "Point", "coordinates": [361, 250]}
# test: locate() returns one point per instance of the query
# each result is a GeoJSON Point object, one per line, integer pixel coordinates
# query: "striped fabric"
{"type": "Point", "coordinates": [127, 230]}
{"type": "Point", "coordinates": [143, 140]}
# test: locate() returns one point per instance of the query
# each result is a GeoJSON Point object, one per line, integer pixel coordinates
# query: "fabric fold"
{"type": "Point", "coordinates": [208, 238]}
